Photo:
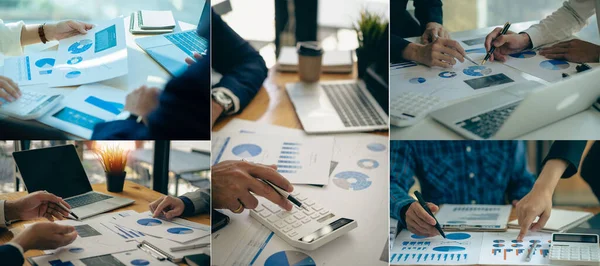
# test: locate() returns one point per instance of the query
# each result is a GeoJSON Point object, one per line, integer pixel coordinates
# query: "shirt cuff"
{"type": "Point", "coordinates": [234, 99]}
{"type": "Point", "coordinates": [2, 217]}
{"type": "Point", "coordinates": [11, 43]}
{"type": "Point", "coordinates": [189, 206]}
{"type": "Point", "coordinates": [17, 246]}
{"type": "Point", "coordinates": [397, 207]}
{"type": "Point", "coordinates": [536, 36]}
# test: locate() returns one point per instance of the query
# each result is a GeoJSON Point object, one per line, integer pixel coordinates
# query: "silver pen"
{"type": "Point", "coordinates": [531, 251]}
{"type": "Point", "coordinates": [466, 55]}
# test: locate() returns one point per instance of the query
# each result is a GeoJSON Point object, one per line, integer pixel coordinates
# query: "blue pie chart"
{"type": "Point", "coordinates": [290, 258]}
{"type": "Point", "coordinates": [417, 236]}
{"type": "Point", "coordinates": [368, 163]}
{"type": "Point", "coordinates": [80, 46]}
{"type": "Point", "coordinates": [73, 74]}
{"type": "Point", "coordinates": [351, 180]}
{"type": "Point", "coordinates": [554, 64]}
{"type": "Point", "coordinates": [458, 236]}
{"type": "Point", "coordinates": [140, 262]}
{"type": "Point", "coordinates": [448, 248]}
{"type": "Point", "coordinates": [376, 147]}
{"type": "Point", "coordinates": [149, 222]}
{"type": "Point", "coordinates": [477, 71]}
{"type": "Point", "coordinates": [180, 230]}
{"type": "Point", "coordinates": [76, 250]}
{"type": "Point", "coordinates": [45, 63]}
{"type": "Point", "coordinates": [526, 54]}
{"type": "Point", "coordinates": [418, 80]}
{"type": "Point", "coordinates": [74, 60]}
{"type": "Point", "coordinates": [246, 150]}
{"type": "Point", "coordinates": [447, 74]}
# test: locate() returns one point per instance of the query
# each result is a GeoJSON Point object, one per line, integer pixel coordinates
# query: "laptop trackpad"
{"type": "Point", "coordinates": [170, 58]}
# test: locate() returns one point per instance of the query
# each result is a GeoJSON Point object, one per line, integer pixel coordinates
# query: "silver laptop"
{"type": "Point", "coordinates": [170, 50]}
{"type": "Point", "coordinates": [521, 108]}
{"type": "Point", "coordinates": [59, 171]}
{"type": "Point", "coordinates": [342, 106]}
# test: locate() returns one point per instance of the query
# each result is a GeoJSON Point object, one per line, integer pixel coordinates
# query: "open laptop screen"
{"type": "Point", "coordinates": [57, 170]}
{"type": "Point", "coordinates": [377, 76]}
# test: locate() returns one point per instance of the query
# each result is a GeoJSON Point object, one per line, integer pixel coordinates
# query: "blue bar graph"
{"type": "Point", "coordinates": [288, 162]}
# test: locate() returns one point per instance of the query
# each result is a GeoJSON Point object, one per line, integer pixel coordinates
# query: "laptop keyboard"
{"type": "Point", "coordinates": [487, 124]}
{"type": "Point", "coordinates": [352, 105]}
{"type": "Point", "coordinates": [86, 199]}
{"type": "Point", "coordinates": [189, 42]}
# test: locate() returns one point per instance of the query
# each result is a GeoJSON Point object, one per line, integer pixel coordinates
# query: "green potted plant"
{"type": "Point", "coordinates": [370, 31]}
{"type": "Point", "coordinates": [113, 160]}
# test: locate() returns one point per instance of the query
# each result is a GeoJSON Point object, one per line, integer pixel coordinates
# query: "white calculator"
{"type": "Point", "coordinates": [408, 108]}
{"type": "Point", "coordinates": [30, 105]}
{"type": "Point", "coordinates": [306, 228]}
{"type": "Point", "coordinates": [574, 249]}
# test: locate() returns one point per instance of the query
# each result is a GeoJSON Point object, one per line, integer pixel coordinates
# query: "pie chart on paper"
{"type": "Point", "coordinates": [554, 64]}
{"type": "Point", "coordinates": [290, 258]}
{"type": "Point", "coordinates": [80, 46]}
{"type": "Point", "coordinates": [149, 222]}
{"type": "Point", "coordinates": [246, 150]}
{"type": "Point", "coordinates": [180, 231]}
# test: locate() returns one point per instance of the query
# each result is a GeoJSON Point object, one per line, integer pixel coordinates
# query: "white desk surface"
{"type": "Point", "coordinates": [142, 69]}
{"type": "Point", "coordinates": [584, 125]}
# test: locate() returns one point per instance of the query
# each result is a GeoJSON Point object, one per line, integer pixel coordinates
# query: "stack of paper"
{"type": "Point", "coordinates": [560, 220]}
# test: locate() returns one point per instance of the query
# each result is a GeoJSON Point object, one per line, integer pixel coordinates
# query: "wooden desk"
{"type": "Point", "coordinates": [273, 106]}
{"type": "Point", "coordinates": [142, 196]}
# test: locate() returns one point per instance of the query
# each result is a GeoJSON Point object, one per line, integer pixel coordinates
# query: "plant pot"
{"type": "Point", "coordinates": [362, 61]}
{"type": "Point", "coordinates": [115, 182]}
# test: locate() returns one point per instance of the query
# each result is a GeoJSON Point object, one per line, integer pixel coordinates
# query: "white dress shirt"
{"type": "Point", "coordinates": [10, 38]}
{"type": "Point", "coordinates": [564, 22]}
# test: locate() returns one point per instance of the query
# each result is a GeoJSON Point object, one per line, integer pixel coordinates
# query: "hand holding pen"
{"type": "Point", "coordinates": [419, 221]}
{"type": "Point", "coordinates": [501, 43]}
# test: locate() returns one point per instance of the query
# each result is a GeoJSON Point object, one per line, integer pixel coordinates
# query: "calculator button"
{"type": "Point", "coordinates": [309, 212]}
{"type": "Point", "coordinates": [309, 202]}
{"type": "Point", "coordinates": [317, 207]}
{"type": "Point", "coordinates": [297, 224]}
{"type": "Point", "coordinates": [292, 233]}
{"type": "Point", "coordinates": [306, 220]}
{"type": "Point", "coordinates": [271, 207]}
{"type": "Point", "coordinates": [280, 224]}
{"type": "Point", "coordinates": [259, 208]}
{"type": "Point", "coordinates": [323, 212]}
{"type": "Point", "coordinates": [265, 214]}
{"type": "Point", "coordinates": [315, 216]}
{"type": "Point", "coordinates": [273, 219]}
{"type": "Point", "coordinates": [287, 229]}
{"type": "Point", "coordinates": [290, 220]}
{"type": "Point", "coordinates": [301, 197]}
{"type": "Point", "coordinates": [299, 215]}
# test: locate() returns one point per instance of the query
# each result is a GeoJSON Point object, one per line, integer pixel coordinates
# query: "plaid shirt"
{"type": "Point", "coordinates": [458, 172]}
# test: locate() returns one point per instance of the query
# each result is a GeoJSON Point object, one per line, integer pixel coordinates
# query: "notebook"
{"type": "Point", "coordinates": [560, 220]}
{"type": "Point", "coordinates": [455, 217]}
{"type": "Point", "coordinates": [333, 61]}
{"type": "Point", "coordinates": [152, 20]}
{"type": "Point", "coordinates": [134, 26]}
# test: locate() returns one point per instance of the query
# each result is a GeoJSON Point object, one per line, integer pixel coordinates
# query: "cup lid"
{"type": "Point", "coordinates": [309, 48]}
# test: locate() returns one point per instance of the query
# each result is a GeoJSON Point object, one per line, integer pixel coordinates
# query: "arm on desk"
{"type": "Point", "coordinates": [401, 179]}
{"type": "Point", "coordinates": [242, 67]}
{"type": "Point", "coordinates": [197, 202]}
{"type": "Point", "coordinates": [11, 255]}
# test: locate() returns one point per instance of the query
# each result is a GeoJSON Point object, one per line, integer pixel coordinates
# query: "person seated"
{"type": "Point", "coordinates": [562, 24]}
{"type": "Point", "coordinates": [436, 47]}
{"type": "Point", "coordinates": [43, 235]}
{"type": "Point", "coordinates": [232, 182]}
{"type": "Point", "coordinates": [454, 172]}
{"type": "Point", "coordinates": [13, 36]}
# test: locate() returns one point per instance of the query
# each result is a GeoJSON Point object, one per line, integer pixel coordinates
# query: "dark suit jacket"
{"type": "Point", "coordinates": [10, 256]}
{"type": "Point", "coordinates": [570, 152]}
{"type": "Point", "coordinates": [404, 25]}
{"type": "Point", "coordinates": [242, 67]}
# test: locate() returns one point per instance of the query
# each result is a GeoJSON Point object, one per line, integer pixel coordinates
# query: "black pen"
{"type": "Point", "coordinates": [284, 193]}
{"type": "Point", "coordinates": [487, 56]}
{"type": "Point", "coordinates": [424, 205]}
{"type": "Point", "coordinates": [60, 205]}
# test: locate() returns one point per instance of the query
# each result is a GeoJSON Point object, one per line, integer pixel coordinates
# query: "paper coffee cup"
{"type": "Point", "coordinates": [310, 56]}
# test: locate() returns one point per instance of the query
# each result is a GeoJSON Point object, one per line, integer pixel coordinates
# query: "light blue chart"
{"type": "Point", "coordinates": [140, 262]}
{"type": "Point", "coordinates": [290, 258]}
{"type": "Point", "coordinates": [246, 150]}
{"type": "Point", "coordinates": [149, 222]}
{"type": "Point", "coordinates": [368, 164]}
{"type": "Point", "coordinates": [74, 60]}
{"type": "Point", "coordinates": [449, 248]}
{"type": "Point", "coordinates": [427, 257]}
{"type": "Point", "coordinates": [73, 74]}
{"type": "Point", "coordinates": [447, 74]}
{"type": "Point", "coordinates": [105, 39]}
{"type": "Point", "coordinates": [80, 46]}
{"type": "Point", "coordinates": [76, 250]}
{"type": "Point", "coordinates": [458, 236]}
{"type": "Point", "coordinates": [79, 118]}
{"type": "Point", "coordinates": [289, 161]}
{"type": "Point", "coordinates": [351, 180]}
{"type": "Point", "coordinates": [554, 64]}
{"type": "Point", "coordinates": [477, 71]}
{"type": "Point", "coordinates": [180, 230]}
{"type": "Point", "coordinates": [476, 51]}
{"type": "Point", "coordinates": [525, 54]}
{"type": "Point", "coordinates": [45, 65]}
{"type": "Point", "coordinates": [376, 147]}
{"type": "Point", "coordinates": [112, 107]}
{"type": "Point", "coordinates": [417, 80]}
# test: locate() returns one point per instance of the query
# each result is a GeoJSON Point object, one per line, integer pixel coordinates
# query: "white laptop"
{"type": "Point", "coordinates": [521, 108]}
{"type": "Point", "coordinates": [342, 106]}
{"type": "Point", "coordinates": [59, 171]}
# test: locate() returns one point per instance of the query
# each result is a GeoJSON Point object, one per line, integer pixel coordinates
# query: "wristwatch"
{"type": "Point", "coordinates": [126, 115]}
{"type": "Point", "coordinates": [223, 100]}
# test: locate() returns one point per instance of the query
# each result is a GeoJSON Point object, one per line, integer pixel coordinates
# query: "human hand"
{"type": "Point", "coordinates": [232, 182]}
{"type": "Point", "coordinates": [574, 51]}
{"type": "Point", "coordinates": [45, 235]}
{"type": "Point", "coordinates": [66, 29]}
{"type": "Point", "coordinates": [538, 202]}
{"type": "Point", "coordinates": [142, 101]}
{"type": "Point", "coordinates": [36, 205]}
{"type": "Point", "coordinates": [506, 44]}
{"type": "Point", "coordinates": [433, 31]}
{"type": "Point", "coordinates": [217, 110]}
{"type": "Point", "coordinates": [419, 221]}
{"type": "Point", "coordinates": [190, 61]}
{"type": "Point", "coordinates": [168, 206]}
{"type": "Point", "coordinates": [9, 90]}
{"type": "Point", "coordinates": [441, 53]}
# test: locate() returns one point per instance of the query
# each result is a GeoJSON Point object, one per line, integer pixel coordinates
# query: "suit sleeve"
{"type": "Point", "coordinates": [242, 67]}
{"type": "Point", "coordinates": [428, 11]}
{"type": "Point", "coordinates": [196, 202]}
{"type": "Point", "coordinates": [11, 255]}
{"type": "Point", "coordinates": [568, 151]}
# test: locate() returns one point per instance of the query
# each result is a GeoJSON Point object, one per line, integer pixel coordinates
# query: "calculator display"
{"type": "Point", "coordinates": [575, 238]}
{"type": "Point", "coordinates": [323, 231]}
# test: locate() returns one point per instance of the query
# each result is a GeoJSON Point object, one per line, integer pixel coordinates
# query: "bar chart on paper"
{"type": "Point", "coordinates": [458, 248]}
{"type": "Point", "coordinates": [504, 249]}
